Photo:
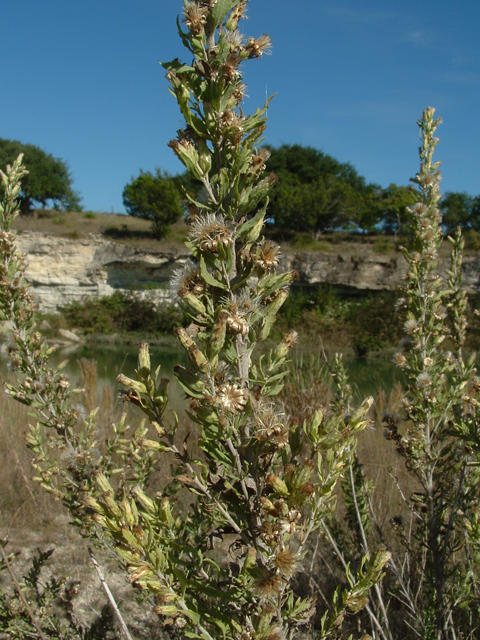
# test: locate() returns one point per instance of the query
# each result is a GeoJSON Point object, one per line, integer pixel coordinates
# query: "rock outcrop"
{"type": "Point", "coordinates": [62, 270]}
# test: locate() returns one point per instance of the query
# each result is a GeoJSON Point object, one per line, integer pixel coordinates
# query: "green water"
{"type": "Point", "coordinates": [114, 359]}
{"type": "Point", "coordinates": [367, 375]}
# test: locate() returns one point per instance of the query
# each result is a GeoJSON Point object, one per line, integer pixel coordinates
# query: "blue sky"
{"type": "Point", "coordinates": [82, 81]}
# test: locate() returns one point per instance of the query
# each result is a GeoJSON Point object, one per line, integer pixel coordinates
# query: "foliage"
{"type": "Point", "coordinates": [261, 485]}
{"type": "Point", "coordinates": [433, 590]}
{"type": "Point", "coordinates": [316, 193]}
{"type": "Point", "coordinates": [48, 178]}
{"type": "Point", "coordinates": [393, 208]}
{"type": "Point", "coordinates": [123, 312]}
{"type": "Point", "coordinates": [458, 210]}
{"type": "Point", "coordinates": [374, 322]}
{"type": "Point", "coordinates": [50, 606]}
{"type": "Point", "coordinates": [155, 198]}
{"type": "Point", "coordinates": [369, 323]}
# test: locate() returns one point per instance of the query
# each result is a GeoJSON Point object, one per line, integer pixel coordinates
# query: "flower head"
{"type": "Point", "coordinates": [195, 16]}
{"type": "Point", "coordinates": [257, 47]}
{"type": "Point", "coordinates": [187, 279]}
{"type": "Point", "coordinates": [269, 255]}
{"type": "Point", "coordinates": [424, 379]}
{"type": "Point", "coordinates": [270, 428]}
{"type": "Point", "coordinates": [210, 230]}
{"type": "Point", "coordinates": [286, 562]}
{"type": "Point", "coordinates": [232, 398]}
{"type": "Point", "coordinates": [410, 326]}
{"type": "Point", "coordinates": [234, 39]}
{"type": "Point", "coordinates": [268, 586]}
{"type": "Point", "coordinates": [399, 359]}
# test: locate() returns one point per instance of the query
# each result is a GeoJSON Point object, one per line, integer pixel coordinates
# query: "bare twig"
{"type": "Point", "coordinates": [109, 595]}
{"type": "Point", "coordinates": [366, 550]}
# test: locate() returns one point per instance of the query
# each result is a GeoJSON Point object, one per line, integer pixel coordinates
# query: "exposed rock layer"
{"type": "Point", "coordinates": [62, 270]}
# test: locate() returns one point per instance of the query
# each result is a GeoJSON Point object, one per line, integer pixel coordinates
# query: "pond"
{"type": "Point", "coordinates": [367, 375]}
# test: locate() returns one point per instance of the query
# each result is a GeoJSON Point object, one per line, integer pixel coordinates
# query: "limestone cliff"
{"type": "Point", "coordinates": [63, 270]}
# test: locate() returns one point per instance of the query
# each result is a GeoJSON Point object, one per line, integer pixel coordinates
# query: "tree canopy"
{"type": "Point", "coordinates": [316, 193]}
{"type": "Point", "coordinates": [460, 209]}
{"type": "Point", "coordinates": [48, 179]}
{"type": "Point", "coordinates": [392, 207]}
{"type": "Point", "coordinates": [155, 198]}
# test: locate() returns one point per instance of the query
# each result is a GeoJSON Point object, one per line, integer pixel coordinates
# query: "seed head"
{"type": "Point", "coordinates": [234, 39]}
{"type": "Point", "coordinates": [256, 48]}
{"type": "Point", "coordinates": [399, 359]}
{"type": "Point", "coordinates": [232, 398]}
{"type": "Point", "coordinates": [410, 326]}
{"type": "Point", "coordinates": [195, 16]}
{"type": "Point", "coordinates": [269, 255]}
{"type": "Point", "coordinates": [268, 586]}
{"type": "Point", "coordinates": [210, 230]}
{"type": "Point", "coordinates": [187, 279]}
{"type": "Point", "coordinates": [424, 379]}
{"type": "Point", "coordinates": [286, 562]}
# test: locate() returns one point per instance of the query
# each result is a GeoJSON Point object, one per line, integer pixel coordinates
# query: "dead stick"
{"type": "Point", "coordinates": [109, 595]}
{"type": "Point", "coordinates": [20, 594]}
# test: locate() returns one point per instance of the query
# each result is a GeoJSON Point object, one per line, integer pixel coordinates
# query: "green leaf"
{"type": "Point", "coordinates": [221, 9]}
{"type": "Point", "coordinates": [250, 230]}
{"type": "Point", "coordinates": [208, 277]}
{"type": "Point", "coordinates": [192, 615]}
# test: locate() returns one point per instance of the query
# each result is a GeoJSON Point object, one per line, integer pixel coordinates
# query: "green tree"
{"type": "Point", "coordinates": [155, 198]}
{"type": "Point", "coordinates": [48, 178]}
{"type": "Point", "coordinates": [456, 211]}
{"type": "Point", "coordinates": [392, 204]}
{"type": "Point", "coordinates": [316, 193]}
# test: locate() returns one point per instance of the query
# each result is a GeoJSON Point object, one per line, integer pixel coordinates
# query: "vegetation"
{"type": "Point", "coordinates": [48, 179]}
{"type": "Point", "coordinates": [367, 323]}
{"type": "Point", "coordinates": [261, 483]}
{"type": "Point", "coordinates": [265, 483]}
{"type": "Point", "coordinates": [460, 209]}
{"type": "Point", "coordinates": [155, 198]}
{"type": "Point", "coordinates": [49, 611]}
{"type": "Point", "coordinates": [122, 312]}
{"type": "Point", "coordinates": [435, 563]}
{"type": "Point", "coordinates": [316, 193]}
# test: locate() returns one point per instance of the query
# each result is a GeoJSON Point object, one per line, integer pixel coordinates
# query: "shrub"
{"type": "Point", "coordinates": [122, 312]}
{"type": "Point", "coordinates": [432, 590]}
{"type": "Point", "coordinates": [41, 607]}
{"type": "Point", "coordinates": [261, 486]}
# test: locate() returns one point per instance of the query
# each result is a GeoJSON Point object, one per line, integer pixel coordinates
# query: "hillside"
{"type": "Point", "coordinates": [73, 256]}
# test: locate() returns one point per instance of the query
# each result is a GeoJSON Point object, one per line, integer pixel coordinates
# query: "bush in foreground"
{"type": "Point", "coordinates": [263, 483]}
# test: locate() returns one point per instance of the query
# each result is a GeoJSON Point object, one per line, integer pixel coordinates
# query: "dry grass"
{"type": "Point", "coordinates": [23, 503]}
{"type": "Point", "coordinates": [113, 226]}
{"type": "Point", "coordinates": [383, 466]}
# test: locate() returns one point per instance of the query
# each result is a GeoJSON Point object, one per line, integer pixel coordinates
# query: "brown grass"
{"type": "Point", "coordinates": [113, 226]}
{"type": "Point", "coordinates": [22, 501]}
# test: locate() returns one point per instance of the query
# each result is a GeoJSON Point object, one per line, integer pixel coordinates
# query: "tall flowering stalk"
{"type": "Point", "coordinates": [439, 440]}
{"type": "Point", "coordinates": [262, 485]}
